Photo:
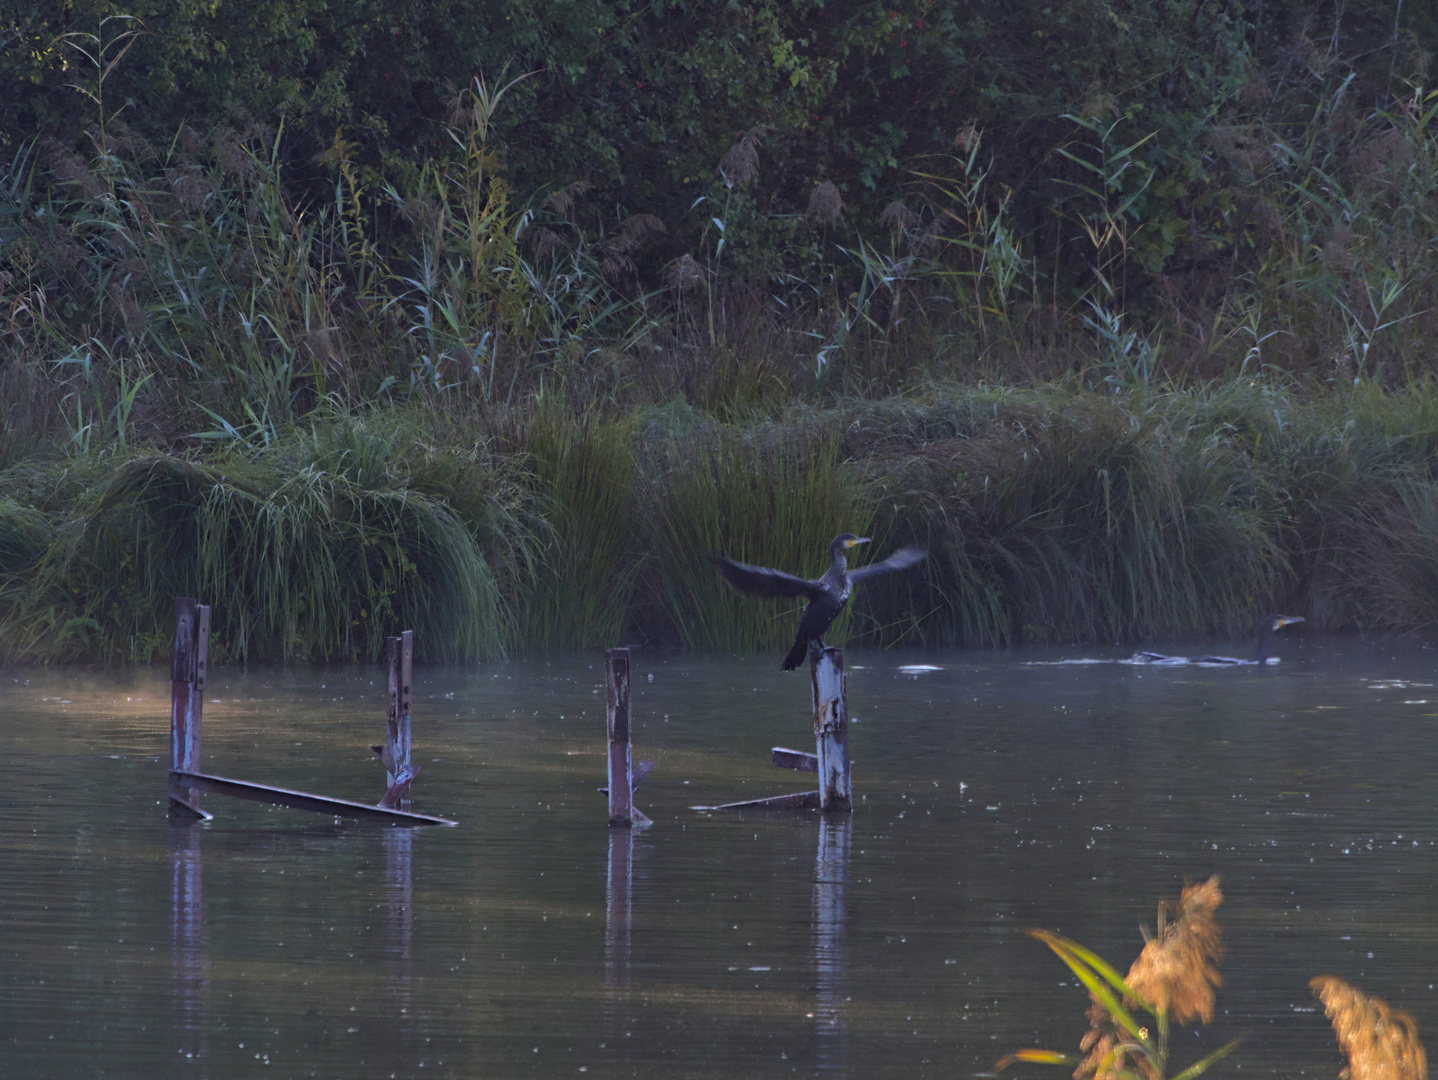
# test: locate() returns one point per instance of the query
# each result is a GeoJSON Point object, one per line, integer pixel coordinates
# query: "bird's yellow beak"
{"type": "Point", "coordinates": [856, 541]}
{"type": "Point", "coordinates": [1288, 620]}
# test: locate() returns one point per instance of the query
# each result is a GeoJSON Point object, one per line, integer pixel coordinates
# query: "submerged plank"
{"type": "Point", "coordinates": [303, 800]}
{"type": "Point", "coordinates": [800, 800]}
{"type": "Point", "coordinates": [785, 758]}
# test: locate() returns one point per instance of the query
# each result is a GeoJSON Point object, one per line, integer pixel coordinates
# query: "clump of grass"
{"type": "Point", "coordinates": [309, 549]}
{"type": "Point", "coordinates": [1378, 1041]}
{"type": "Point", "coordinates": [1172, 980]}
{"type": "Point", "coordinates": [582, 463]}
{"type": "Point", "coordinates": [1072, 516]}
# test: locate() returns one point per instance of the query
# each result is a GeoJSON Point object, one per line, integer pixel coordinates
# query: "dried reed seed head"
{"type": "Point", "coordinates": [189, 186]}
{"type": "Point", "coordinates": [633, 231]}
{"type": "Point", "coordinates": [320, 344]}
{"type": "Point", "coordinates": [122, 140]}
{"type": "Point", "coordinates": [1379, 1042]}
{"type": "Point", "coordinates": [740, 165]}
{"type": "Point", "coordinates": [1104, 1056]}
{"type": "Point", "coordinates": [540, 241]}
{"type": "Point", "coordinates": [896, 216]}
{"type": "Point", "coordinates": [616, 266]}
{"type": "Point", "coordinates": [458, 105]}
{"type": "Point", "coordinates": [190, 140]}
{"type": "Point", "coordinates": [684, 275]}
{"type": "Point", "coordinates": [232, 146]}
{"type": "Point", "coordinates": [71, 169]}
{"type": "Point", "coordinates": [1419, 58]}
{"type": "Point", "coordinates": [825, 204]}
{"type": "Point", "coordinates": [1382, 159]}
{"type": "Point", "coordinates": [56, 251]}
{"type": "Point", "coordinates": [131, 313]}
{"type": "Point", "coordinates": [1098, 102]}
{"type": "Point", "coordinates": [968, 136]}
{"type": "Point", "coordinates": [424, 212]}
{"type": "Point", "coordinates": [1255, 90]}
{"type": "Point", "coordinates": [1177, 971]}
{"type": "Point", "coordinates": [563, 200]}
{"type": "Point", "coordinates": [1306, 53]}
{"type": "Point", "coordinates": [1335, 251]}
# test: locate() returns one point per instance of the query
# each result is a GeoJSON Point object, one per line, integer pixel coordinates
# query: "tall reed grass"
{"type": "Point", "coordinates": [317, 546]}
{"type": "Point", "coordinates": [1052, 514]}
{"type": "Point", "coordinates": [769, 495]}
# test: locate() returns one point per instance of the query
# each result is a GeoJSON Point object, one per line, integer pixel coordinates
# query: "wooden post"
{"type": "Point", "coordinates": [189, 665]}
{"type": "Point", "coordinates": [398, 771]}
{"type": "Point", "coordinates": [831, 729]}
{"type": "Point", "coordinates": [616, 715]}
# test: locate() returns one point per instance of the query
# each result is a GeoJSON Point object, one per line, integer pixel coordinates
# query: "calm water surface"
{"type": "Point", "coordinates": [999, 792]}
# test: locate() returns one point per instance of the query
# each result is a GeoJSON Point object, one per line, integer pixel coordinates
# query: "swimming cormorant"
{"type": "Point", "coordinates": [1265, 638]}
{"type": "Point", "coordinates": [827, 596]}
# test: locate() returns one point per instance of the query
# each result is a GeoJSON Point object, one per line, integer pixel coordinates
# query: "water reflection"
{"type": "Point", "coordinates": [190, 949]}
{"type": "Point", "coordinates": [831, 891]}
{"type": "Point", "coordinates": [398, 846]}
{"type": "Point", "coordinates": [991, 797]}
{"type": "Point", "coordinates": [618, 914]}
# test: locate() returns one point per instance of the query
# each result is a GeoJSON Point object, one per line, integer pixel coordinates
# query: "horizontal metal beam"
{"type": "Point", "coordinates": [800, 800]}
{"type": "Point", "coordinates": [303, 800]}
{"type": "Point", "coordinates": [799, 760]}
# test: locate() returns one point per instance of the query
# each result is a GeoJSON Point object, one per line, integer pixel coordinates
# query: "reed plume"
{"type": "Point", "coordinates": [1378, 1041]}
{"type": "Point", "coordinates": [1177, 972]}
{"type": "Point", "coordinates": [1174, 978]}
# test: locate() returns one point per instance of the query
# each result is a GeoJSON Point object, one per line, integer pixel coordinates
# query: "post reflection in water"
{"type": "Point", "coordinates": [831, 887]}
{"type": "Point", "coordinates": [190, 948]}
{"type": "Point", "coordinates": [399, 912]}
{"type": "Point", "coordinates": [617, 916]}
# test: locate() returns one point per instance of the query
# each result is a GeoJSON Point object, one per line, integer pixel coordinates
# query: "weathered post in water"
{"type": "Point", "coordinates": [831, 729]}
{"type": "Point", "coordinates": [189, 664]}
{"type": "Point", "coordinates": [398, 770]}
{"type": "Point", "coordinates": [616, 715]}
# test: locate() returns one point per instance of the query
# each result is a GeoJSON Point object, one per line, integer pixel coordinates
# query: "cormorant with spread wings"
{"type": "Point", "coordinates": [827, 595]}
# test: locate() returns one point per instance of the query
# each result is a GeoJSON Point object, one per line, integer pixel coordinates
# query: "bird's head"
{"type": "Point", "coordinates": [1276, 621]}
{"type": "Point", "coordinates": [844, 541]}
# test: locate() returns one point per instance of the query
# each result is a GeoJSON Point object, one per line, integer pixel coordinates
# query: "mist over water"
{"type": "Point", "coordinates": [994, 791]}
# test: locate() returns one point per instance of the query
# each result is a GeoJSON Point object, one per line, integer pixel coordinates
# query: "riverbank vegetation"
{"type": "Point", "coordinates": [1147, 353]}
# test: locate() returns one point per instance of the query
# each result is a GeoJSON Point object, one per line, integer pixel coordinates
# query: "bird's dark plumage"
{"type": "Point", "coordinates": [1270, 624]}
{"type": "Point", "coordinates": [827, 595]}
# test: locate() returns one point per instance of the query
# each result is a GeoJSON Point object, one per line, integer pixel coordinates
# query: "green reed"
{"type": "Point", "coordinates": [1051, 513]}
{"type": "Point", "coordinates": [774, 495]}
{"type": "Point", "coordinates": [583, 467]}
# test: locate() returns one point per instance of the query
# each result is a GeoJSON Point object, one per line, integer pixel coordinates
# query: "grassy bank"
{"type": "Point", "coordinates": [1053, 513]}
{"type": "Point", "coordinates": [508, 420]}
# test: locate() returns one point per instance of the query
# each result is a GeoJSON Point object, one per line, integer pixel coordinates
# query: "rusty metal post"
{"type": "Point", "coordinates": [189, 665]}
{"type": "Point", "coordinates": [831, 729]}
{"type": "Point", "coordinates": [399, 772]}
{"type": "Point", "coordinates": [616, 715]}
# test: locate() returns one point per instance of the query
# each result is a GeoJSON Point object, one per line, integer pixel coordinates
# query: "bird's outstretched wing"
{"type": "Point", "coordinates": [761, 581]}
{"type": "Point", "coordinates": [900, 560]}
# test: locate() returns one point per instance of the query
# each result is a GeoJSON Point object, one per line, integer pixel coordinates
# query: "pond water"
{"type": "Point", "coordinates": [994, 792]}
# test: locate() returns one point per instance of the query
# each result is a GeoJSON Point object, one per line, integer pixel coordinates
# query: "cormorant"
{"type": "Point", "coordinates": [1265, 638]}
{"type": "Point", "coordinates": [827, 596]}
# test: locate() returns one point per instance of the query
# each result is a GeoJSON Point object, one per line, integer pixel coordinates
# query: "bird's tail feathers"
{"type": "Point", "coordinates": [796, 655]}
